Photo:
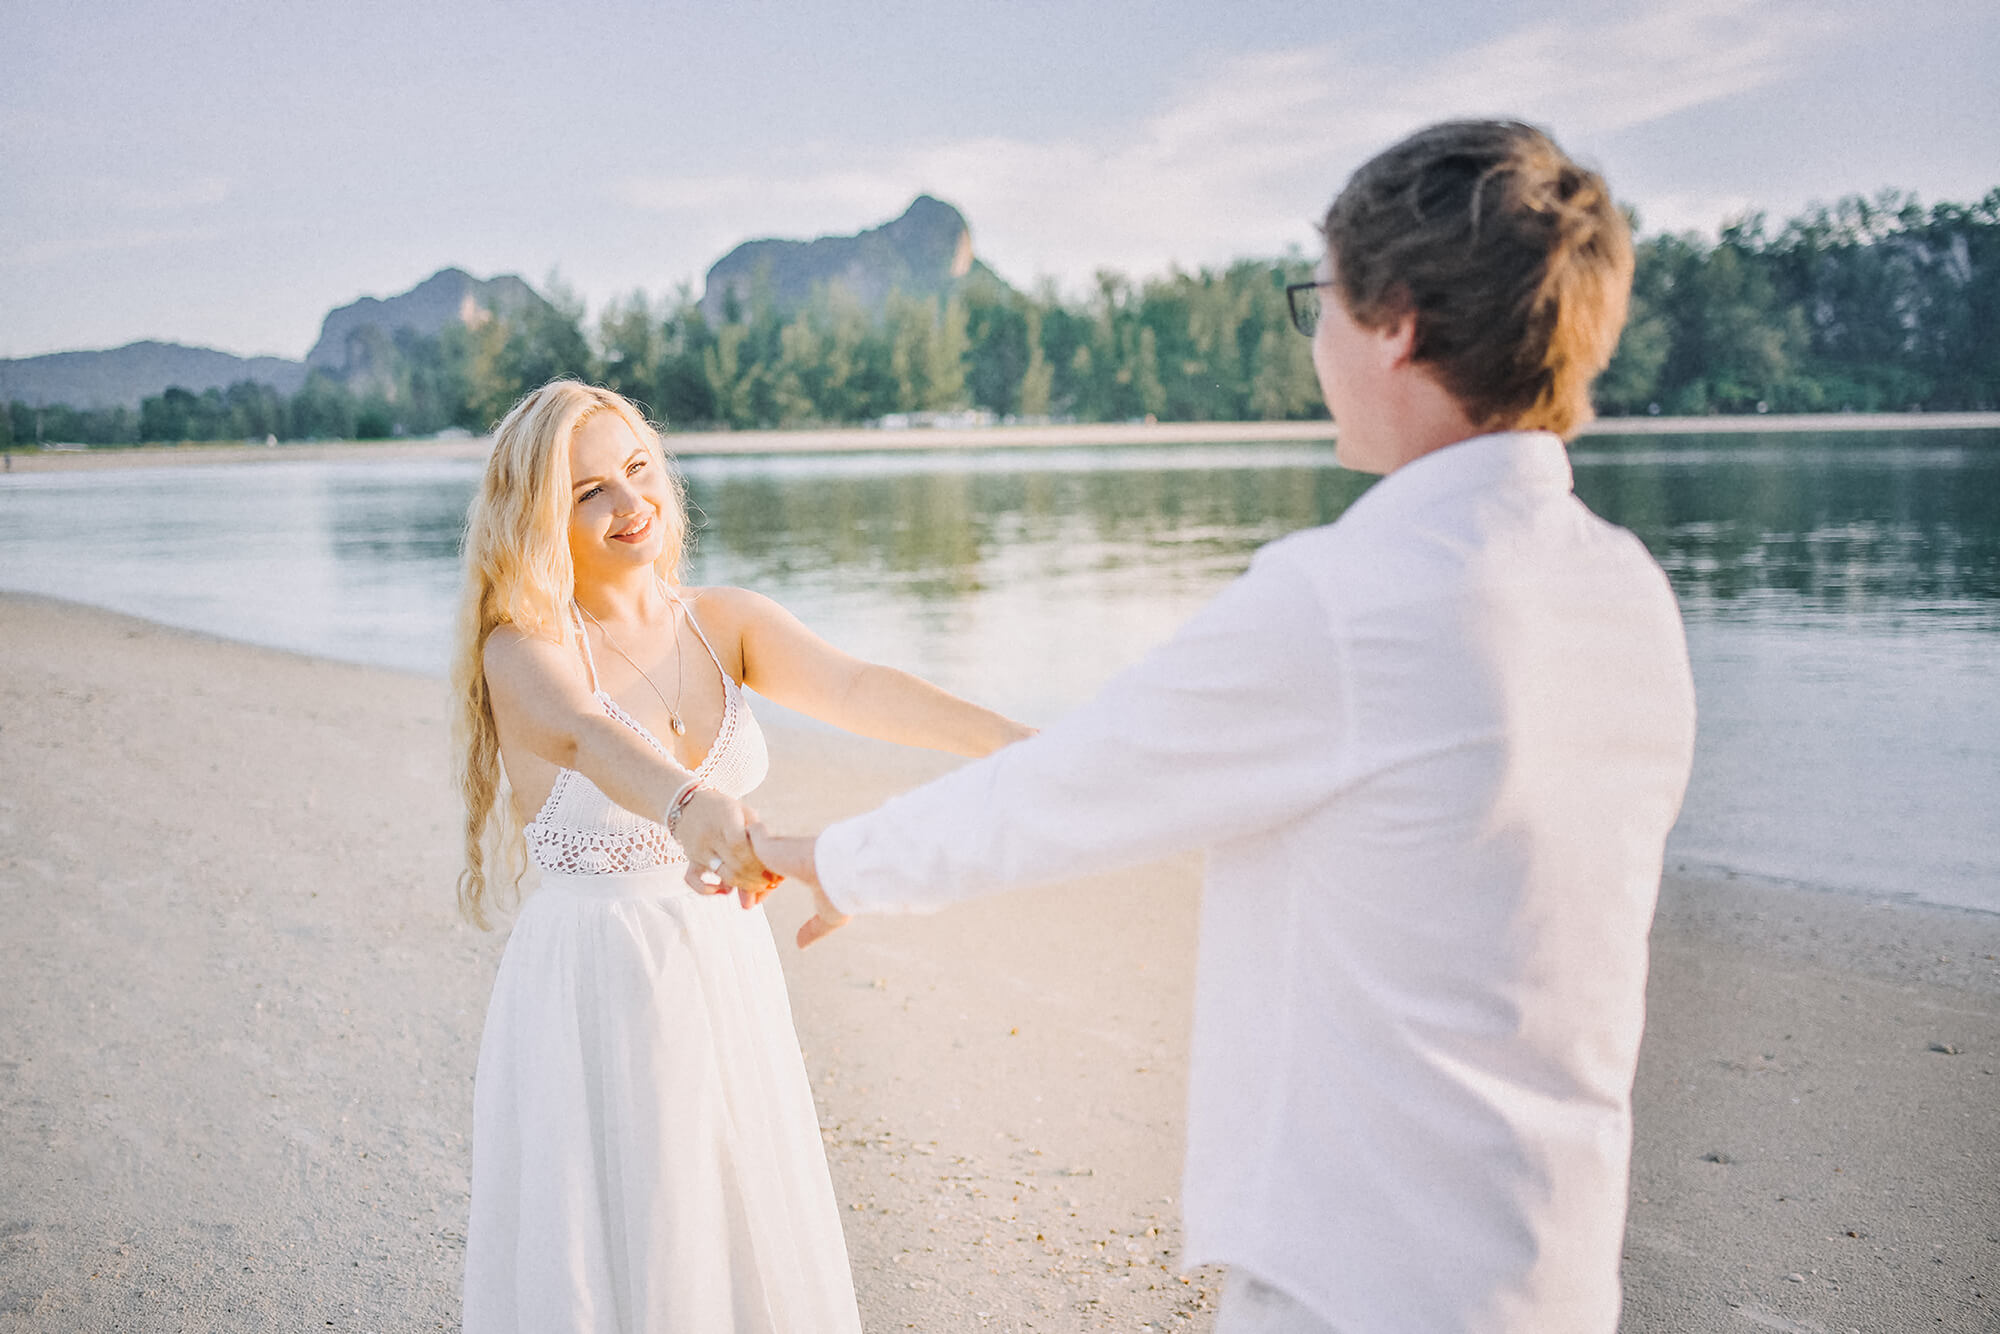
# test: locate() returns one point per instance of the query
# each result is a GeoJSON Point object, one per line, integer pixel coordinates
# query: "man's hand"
{"type": "Point", "coordinates": [792, 858]}
{"type": "Point", "coordinates": [714, 831]}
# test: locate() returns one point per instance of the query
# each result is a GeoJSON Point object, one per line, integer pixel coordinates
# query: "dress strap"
{"type": "Point", "coordinates": [583, 638]}
{"type": "Point", "coordinates": [726, 677]}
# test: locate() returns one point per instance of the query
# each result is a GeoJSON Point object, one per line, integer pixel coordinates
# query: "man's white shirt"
{"type": "Point", "coordinates": [1433, 750]}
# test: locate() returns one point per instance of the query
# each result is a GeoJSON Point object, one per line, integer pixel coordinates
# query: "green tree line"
{"type": "Point", "coordinates": [1867, 305]}
{"type": "Point", "coordinates": [1870, 305]}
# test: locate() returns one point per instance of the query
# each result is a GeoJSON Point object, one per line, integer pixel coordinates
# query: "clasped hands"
{"type": "Point", "coordinates": [729, 851]}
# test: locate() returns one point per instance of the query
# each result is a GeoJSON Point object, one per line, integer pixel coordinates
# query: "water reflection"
{"type": "Point", "coordinates": [1842, 593]}
{"type": "Point", "coordinates": [947, 532]}
{"type": "Point", "coordinates": [388, 519]}
{"type": "Point", "coordinates": [1883, 522]}
{"type": "Point", "coordinates": [1875, 522]}
{"type": "Point", "coordinates": [1025, 579]}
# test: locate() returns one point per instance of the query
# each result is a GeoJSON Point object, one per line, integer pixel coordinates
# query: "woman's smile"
{"type": "Point", "coordinates": [637, 533]}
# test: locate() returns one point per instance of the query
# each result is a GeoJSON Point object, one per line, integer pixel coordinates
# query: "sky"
{"type": "Point", "coordinates": [223, 174]}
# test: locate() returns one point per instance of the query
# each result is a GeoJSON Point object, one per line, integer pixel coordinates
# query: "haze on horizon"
{"type": "Point", "coordinates": [222, 173]}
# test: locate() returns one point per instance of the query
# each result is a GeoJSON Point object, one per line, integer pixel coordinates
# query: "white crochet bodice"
{"type": "Point", "coordinates": [580, 831]}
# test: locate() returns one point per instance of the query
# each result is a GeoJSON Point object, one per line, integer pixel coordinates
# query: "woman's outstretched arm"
{"type": "Point", "coordinates": [1234, 726]}
{"type": "Point", "coordinates": [790, 665]}
{"type": "Point", "coordinates": [541, 700]}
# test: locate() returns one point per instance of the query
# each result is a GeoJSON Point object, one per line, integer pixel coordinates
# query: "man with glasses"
{"type": "Point", "coordinates": [1432, 750]}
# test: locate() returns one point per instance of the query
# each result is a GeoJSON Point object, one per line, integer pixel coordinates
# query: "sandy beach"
{"type": "Point", "coordinates": [863, 440]}
{"type": "Point", "coordinates": [239, 1021]}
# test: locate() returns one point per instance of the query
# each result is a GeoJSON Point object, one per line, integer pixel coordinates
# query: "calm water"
{"type": "Point", "coordinates": [1842, 594]}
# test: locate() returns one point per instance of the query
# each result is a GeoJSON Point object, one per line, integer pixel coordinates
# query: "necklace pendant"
{"type": "Point", "coordinates": [680, 728]}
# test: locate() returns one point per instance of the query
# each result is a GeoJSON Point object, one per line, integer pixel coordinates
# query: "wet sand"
{"type": "Point", "coordinates": [239, 1020]}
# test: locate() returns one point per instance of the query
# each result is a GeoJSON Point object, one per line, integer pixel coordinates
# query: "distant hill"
{"type": "Point", "coordinates": [922, 253]}
{"type": "Point", "coordinates": [122, 376]}
{"type": "Point", "coordinates": [350, 334]}
{"type": "Point", "coordinates": [354, 345]}
{"type": "Point", "coordinates": [925, 252]}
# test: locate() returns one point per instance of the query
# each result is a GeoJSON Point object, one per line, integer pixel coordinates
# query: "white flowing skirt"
{"type": "Point", "coordinates": [646, 1156]}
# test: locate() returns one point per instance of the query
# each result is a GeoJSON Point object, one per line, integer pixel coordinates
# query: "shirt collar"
{"type": "Point", "coordinates": [1505, 460]}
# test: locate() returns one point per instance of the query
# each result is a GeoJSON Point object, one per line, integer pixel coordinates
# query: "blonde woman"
{"type": "Point", "coordinates": [645, 1150]}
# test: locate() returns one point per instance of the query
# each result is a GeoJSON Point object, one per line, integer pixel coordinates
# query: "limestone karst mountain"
{"type": "Point", "coordinates": [357, 342]}
{"type": "Point", "coordinates": [356, 345]}
{"type": "Point", "coordinates": [922, 253]}
{"type": "Point", "coordinates": [925, 252]}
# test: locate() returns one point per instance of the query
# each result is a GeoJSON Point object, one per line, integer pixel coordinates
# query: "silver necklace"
{"type": "Point", "coordinates": [673, 710]}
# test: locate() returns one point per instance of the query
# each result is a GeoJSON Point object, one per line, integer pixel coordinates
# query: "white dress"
{"type": "Point", "coordinates": [646, 1156]}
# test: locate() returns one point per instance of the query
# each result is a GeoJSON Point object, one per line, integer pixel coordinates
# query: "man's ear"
{"type": "Point", "coordinates": [1397, 333]}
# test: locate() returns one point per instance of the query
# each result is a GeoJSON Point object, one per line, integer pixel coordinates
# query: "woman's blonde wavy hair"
{"type": "Point", "coordinates": [518, 572]}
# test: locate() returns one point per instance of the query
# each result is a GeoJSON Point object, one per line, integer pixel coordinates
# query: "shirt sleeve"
{"type": "Point", "coordinates": [1228, 728]}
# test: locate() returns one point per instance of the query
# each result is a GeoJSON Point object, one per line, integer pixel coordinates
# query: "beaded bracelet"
{"type": "Point", "coordinates": [679, 804]}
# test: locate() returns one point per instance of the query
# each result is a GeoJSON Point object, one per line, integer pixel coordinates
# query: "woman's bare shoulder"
{"type": "Point", "coordinates": [732, 618]}
{"type": "Point", "coordinates": [726, 608]}
{"type": "Point", "coordinates": [512, 656]}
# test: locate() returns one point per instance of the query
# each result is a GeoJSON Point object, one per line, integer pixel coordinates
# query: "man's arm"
{"type": "Point", "coordinates": [1228, 728]}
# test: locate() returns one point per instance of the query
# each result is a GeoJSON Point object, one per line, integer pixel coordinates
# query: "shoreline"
{"type": "Point", "coordinates": [859, 440]}
{"type": "Point", "coordinates": [242, 1017]}
{"type": "Point", "coordinates": [1688, 868]}
{"type": "Point", "coordinates": [1685, 868]}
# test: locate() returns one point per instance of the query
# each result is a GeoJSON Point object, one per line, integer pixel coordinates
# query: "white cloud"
{"type": "Point", "coordinates": [1242, 161]}
{"type": "Point", "coordinates": [110, 215]}
{"type": "Point", "coordinates": [105, 241]}
{"type": "Point", "coordinates": [179, 197]}
{"type": "Point", "coordinates": [1702, 211]}
{"type": "Point", "coordinates": [30, 125]}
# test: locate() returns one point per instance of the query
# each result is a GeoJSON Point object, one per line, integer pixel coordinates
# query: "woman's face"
{"type": "Point", "coordinates": [619, 500]}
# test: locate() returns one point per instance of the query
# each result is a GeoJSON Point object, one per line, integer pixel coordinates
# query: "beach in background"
{"type": "Point", "coordinates": [866, 440]}
{"type": "Point", "coordinates": [980, 345]}
{"type": "Point", "coordinates": [241, 1016]}
{"type": "Point", "coordinates": [241, 1019]}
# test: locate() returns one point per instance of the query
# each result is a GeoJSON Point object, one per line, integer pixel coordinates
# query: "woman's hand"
{"type": "Point", "coordinates": [714, 830]}
{"type": "Point", "coordinates": [792, 859]}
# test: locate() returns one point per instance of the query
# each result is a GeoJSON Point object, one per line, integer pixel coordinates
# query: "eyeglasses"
{"type": "Point", "coordinates": [1303, 299]}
